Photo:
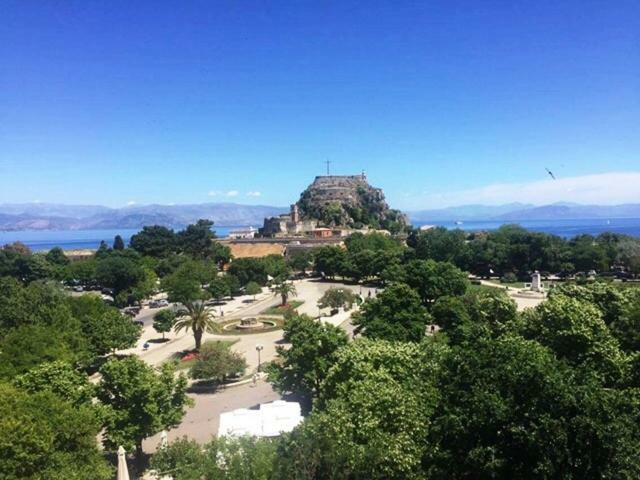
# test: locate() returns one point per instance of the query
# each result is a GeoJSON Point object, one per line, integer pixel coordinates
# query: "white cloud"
{"type": "Point", "coordinates": [230, 193]}
{"type": "Point", "coordinates": [131, 202]}
{"type": "Point", "coordinates": [254, 194]}
{"type": "Point", "coordinates": [603, 189]}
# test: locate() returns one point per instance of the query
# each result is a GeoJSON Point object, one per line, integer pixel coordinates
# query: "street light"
{"type": "Point", "coordinates": [259, 349]}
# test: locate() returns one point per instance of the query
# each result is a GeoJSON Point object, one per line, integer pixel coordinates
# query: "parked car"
{"type": "Point", "coordinates": [139, 322]}
{"type": "Point", "coordinates": [162, 303]}
{"type": "Point", "coordinates": [78, 288]}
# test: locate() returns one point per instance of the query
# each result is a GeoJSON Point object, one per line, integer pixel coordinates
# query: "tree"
{"type": "Point", "coordinates": [216, 362]}
{"type": "Point", "coordinates": [395, 314]}
{"type": "Point", "coordinates": [140, 401]}
{"type": "Point", "coordinates": [119, 272]}
{"type": "Point", "coordinates": [56, 256]}
{"type": "Point", "coordinates": [82, 271]}
{"type": "Point", "coordinates": [626, 326]}
{"type": "Point", "coordinates": [510, 409]}
{"type": "Point", "coordinates": [373, 241]}
{"type": "Point", "coordinates": [252, 288]}
{"type": "Point", "coordinates": [27, 346]}
{"type": "Point", "coordinates": [42, 437]}
{"type": "Point", "coordinates": [184, 285]}
{"type": "Point", "coordinates": [233, 284]}
{"type": "Point", "coordinates": [275, 266]}
{"type": "Point", "coordinates": [301, 368]}
{"type": "Point", "coordinates": [300, 261]}
{"type": "Point", "coordinates": [249, 269]}
{"type": "Point", "coordinates": [154, 241]}
{"type": "Point", "coordinates": [285, 290]}
{"type": "Point", "coordinates": [33, 267]}
{"type": "Point", "coordinates": [372, 417]}
{"type": "Point", "coordinates": [197, 241]}
{"type": "Point", "coordinates": [442, 245]}
{"type": "Point", "coordinates": [198, 318]}
{"type": "Point", "coordinates": [59, 378]}
{"type": "Point", "coordinates": [628, 254]}
{"type": "Point", "coordinates": [577, 334]}
{"type": "Point", "coordinates": [224, 457]}
{"type": "Point", "coordinates": [118, 243]}
{"type": "Point", "coordinates": [113, 331]}
{"type": "Point", "coordinates": [219, 288]}
{"type": "Point", "coordinates": [433, 279]}
{"type": "Point", "coordinates": [329, 260]}
{"type": "Point", "coordinates": [104, 327]}
{"type": "Point", "coordinates": [163, 321]}
{"type": "Point", "coordinates": [338, 298]}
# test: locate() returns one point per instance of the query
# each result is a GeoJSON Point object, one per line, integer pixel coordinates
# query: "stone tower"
{"type": "Point", "coordinates": [295, 214]}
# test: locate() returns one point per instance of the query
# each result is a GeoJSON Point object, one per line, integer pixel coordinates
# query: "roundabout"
{"type": "Point", "coordinates": [251, 325]}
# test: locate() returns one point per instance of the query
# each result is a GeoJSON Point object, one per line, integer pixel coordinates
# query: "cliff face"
{"type": "Point", "coordinates": [348, 201]}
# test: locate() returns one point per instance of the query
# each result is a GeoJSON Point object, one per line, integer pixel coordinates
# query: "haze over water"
{"type": "Point", "coordinates": [79, 239]}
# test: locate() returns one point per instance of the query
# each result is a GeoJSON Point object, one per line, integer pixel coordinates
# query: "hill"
{"type": "Point", "coordinates": [42, 216]}
{"type": "Point", "coordinates": [349, 201]}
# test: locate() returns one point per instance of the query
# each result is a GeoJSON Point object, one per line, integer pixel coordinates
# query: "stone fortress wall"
{"type": "Point", "coordinates": [330, 188]}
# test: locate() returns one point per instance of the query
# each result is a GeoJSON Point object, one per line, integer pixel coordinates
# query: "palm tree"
{"type": "Point", "coordinates": [199, 319]}
{"type": "Point", "coordinates": [284, 289]}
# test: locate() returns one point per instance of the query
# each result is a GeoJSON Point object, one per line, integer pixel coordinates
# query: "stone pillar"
{"type": "Point", "coordinates": [295, 214]}
{"type": "Point", "coordinates": [536, 284]}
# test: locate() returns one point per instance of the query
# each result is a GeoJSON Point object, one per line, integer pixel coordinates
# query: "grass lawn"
{"type": "Point", "coordinates": [498, 283]}
{"type": "Point", "coordinates": [482, 288]}
{"type": "Point", "coordinates": [280, 310]}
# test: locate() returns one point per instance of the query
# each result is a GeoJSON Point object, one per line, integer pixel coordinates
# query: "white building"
{"type": "Point", "coordinates": [243, 233]}
{"type": "Point", "coordinates": [270, 420]}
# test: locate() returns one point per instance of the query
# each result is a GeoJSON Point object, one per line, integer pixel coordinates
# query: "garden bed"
{"type": "Point", "coordinates": [282, 309]}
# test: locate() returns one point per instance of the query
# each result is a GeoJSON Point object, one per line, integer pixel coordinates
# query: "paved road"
{"type": "Point", "coordinates": [201, 421]}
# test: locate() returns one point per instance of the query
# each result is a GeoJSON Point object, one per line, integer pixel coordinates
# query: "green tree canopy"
{"type": "Point", "coordinates": [140, 400]}
{"type": "Point", "coordinates": [164, 320]}
{"type": "Point", "coordinates": [395, 314]}
{"type": "Point", "coordinates": [338, 298]}
{"type": "Point", "coordinates": [59, 378]}
{"type": "Point", "coordinates": [249, 269]}
{"type": "Point", "coordinates": [44, 437]}
{"type": "Point", "coordinates": [301, 368]}
{"type": "Point", "coordinates": [155, 241]}
{"type": "Point", "coordinates": [576, 333]}
{"type": "Point", "coordinates": [216, 361]}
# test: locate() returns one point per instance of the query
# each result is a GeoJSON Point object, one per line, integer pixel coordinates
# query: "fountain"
{"type": "Point", "coordinates": [250, 323]}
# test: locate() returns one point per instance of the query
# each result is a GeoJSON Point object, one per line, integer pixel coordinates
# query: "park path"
{"type": "Point", "coordinates": [523, 302]}
{"type": "Point", "coordinates": [308, 290]}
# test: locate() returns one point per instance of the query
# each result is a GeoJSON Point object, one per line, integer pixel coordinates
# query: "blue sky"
{"type": "Point", "coordinates": [442, 103]}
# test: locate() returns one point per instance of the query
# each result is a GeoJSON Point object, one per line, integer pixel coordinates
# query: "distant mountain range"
{"type": "Point", "coordinates": [515, 212]}
{"type": "Point", "coordinates": [44, 216]}
{"type": "Point", "coordinates": [47, 216]}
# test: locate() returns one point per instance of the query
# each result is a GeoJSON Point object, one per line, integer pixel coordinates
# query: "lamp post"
{"type": "Point", "coordinates": [259, 349]}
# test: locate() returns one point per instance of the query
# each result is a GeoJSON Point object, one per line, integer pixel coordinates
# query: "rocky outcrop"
{"type": "Point", "coordinates": [348, 201]}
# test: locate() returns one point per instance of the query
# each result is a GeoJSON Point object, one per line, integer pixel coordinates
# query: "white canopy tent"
{"type": "Point", "coordinates": [270, 420]}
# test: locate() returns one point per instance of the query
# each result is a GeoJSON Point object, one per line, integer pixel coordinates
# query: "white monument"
{"type": "Point", "coordinates": [536, 283]}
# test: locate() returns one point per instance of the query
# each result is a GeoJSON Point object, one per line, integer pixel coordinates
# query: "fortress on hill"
{"type": "Point", "coordinates": [336, 205]}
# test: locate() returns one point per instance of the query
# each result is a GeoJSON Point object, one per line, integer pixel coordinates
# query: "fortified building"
{"type": "Point", "coordinates": [335, 205]}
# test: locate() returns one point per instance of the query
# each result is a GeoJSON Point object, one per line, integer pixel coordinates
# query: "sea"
{"type": "Point", "coordinates": [42, 240]}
